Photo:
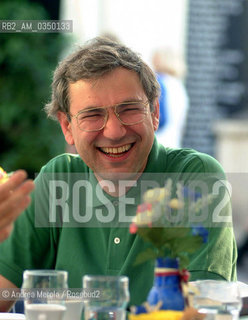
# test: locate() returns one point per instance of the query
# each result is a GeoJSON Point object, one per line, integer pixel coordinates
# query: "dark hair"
{"type": "Point", "coordinates": [96, 58]}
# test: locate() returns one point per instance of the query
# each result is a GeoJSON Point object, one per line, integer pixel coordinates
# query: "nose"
{"type": "Point", "coordinates": [114, 129]}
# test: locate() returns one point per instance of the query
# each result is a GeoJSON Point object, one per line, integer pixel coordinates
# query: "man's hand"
{"type": "Point", "coordinates": [14, 198]}
{"type": "Point", "coordinates": [6, 305]}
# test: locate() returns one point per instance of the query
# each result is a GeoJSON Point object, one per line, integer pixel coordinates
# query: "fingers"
{"type": "Point", "coordinates": [14, 182]}
{"type": "Point", "coordinates": [17, 201]}
{"type": "Point", "coordinates": [14, 198]}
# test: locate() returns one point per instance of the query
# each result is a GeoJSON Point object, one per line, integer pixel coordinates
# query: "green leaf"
{"type": "Point", "coordinates": [162, 237]}
{"type": "Point", "coordinates": [175, 233]}
{"type": "Point", "coordinates": [152, 235]}
{"type": "Point", "coordinates": [148, 254]}
{"type": "Point", "coordinates": [183, 261]}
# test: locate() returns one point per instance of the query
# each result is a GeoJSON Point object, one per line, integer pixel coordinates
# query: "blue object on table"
{"type": "Point", "coordinates": [167, 286]}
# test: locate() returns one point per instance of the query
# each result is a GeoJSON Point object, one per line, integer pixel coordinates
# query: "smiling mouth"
{"type": "Point", "coordinates": [116, 152]}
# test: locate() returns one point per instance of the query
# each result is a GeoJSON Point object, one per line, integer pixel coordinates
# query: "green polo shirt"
{"type": "Point", "coordinates": [86, 236]}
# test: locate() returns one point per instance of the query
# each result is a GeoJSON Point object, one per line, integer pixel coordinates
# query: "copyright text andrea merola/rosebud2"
{"type": "Point", "coordinates": [49, 294]}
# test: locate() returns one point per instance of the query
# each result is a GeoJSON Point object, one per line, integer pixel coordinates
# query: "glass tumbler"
{"type": "Point", "coordinates": [217, 299]}
{"type": "Point", "coordinates": [106, 297]}
{"type": "Point", "coordinates": [43, 294]}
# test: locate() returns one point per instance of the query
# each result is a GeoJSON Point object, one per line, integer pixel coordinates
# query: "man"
{"type": "Point", "coordinates": [106, 101]}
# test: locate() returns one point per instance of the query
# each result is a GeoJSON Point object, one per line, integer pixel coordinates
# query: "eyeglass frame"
{"type": "Point", "coordinates": [71, 116]}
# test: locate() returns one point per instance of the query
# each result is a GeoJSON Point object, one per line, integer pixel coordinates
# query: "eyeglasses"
{"type": "Point", "coordinates": [95, 119]}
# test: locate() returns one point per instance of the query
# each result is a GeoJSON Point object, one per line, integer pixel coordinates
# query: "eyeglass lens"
{"type": "Point", "coordinates": [127, 113]}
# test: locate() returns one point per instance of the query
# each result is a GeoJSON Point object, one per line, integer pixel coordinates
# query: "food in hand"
{"type": "Point", "coordinates": [4, 176]}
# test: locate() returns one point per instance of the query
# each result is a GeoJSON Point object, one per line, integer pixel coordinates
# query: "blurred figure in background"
{"type": "Point", "coordinates": [170, 70]}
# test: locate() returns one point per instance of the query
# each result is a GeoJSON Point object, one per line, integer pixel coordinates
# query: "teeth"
{"type": "Point", "coordinates": [117, 150]}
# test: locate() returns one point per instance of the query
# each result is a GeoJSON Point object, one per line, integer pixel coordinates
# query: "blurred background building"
{"type": "Point", "coordinates": [209, 35]}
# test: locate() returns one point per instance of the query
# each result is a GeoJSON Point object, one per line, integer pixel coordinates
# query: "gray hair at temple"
{"type": "Point", "coordinates": [96, 58]}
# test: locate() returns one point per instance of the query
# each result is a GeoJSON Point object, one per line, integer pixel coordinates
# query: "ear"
{"type": "Point", "coordinates": [66, 127]}
{"type": "Point", "coordinates": [155, 115]}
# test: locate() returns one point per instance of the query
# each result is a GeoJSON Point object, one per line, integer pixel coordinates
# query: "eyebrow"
{"type": "Point", "coordinates": [102, 107]}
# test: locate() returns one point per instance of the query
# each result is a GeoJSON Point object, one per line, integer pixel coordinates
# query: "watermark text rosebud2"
{"type": "Point", "coordinates": [77, 200]}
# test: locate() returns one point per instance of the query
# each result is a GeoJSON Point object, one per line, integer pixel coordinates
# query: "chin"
{"type": "Point", "coordinates": [117, 176]}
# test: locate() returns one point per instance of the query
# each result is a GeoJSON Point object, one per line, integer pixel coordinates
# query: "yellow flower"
{"type": "Point", "coordinates": [176, 204]}
{"type": "Point", "coordinates": [3, 176]}
{"type": "Point", "coordinates": [143, 218]}
{"type": "Point", "coordinates": [144, 214]}
{"type": "Point", "coordinates": [154, 195]}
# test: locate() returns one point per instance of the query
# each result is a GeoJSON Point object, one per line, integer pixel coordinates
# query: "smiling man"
{"type": "Point", "coordinates": [106, 101]}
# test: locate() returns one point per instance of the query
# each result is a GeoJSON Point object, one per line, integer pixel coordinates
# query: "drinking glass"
{"type": "Point", "coordinates": [217, 299]}
{"type": "Point", "coordinates": [107, 297]}
{"type": "Point", "coordinates": [43, 294]}
{"type": "Point", "coordinates": [74, 308]}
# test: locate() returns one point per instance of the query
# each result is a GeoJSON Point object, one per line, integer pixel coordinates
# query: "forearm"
{"type": "Point", "coordinates": [5, 305]}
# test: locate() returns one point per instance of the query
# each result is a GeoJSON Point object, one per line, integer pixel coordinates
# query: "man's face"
{"type": "Point", "coordinates": [117, 148]}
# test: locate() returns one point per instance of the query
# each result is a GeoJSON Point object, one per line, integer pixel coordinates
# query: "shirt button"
{"type": "Point", "coordinates": [117, 240]}
{"type": "Point", "coordinates": [115, 203]}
